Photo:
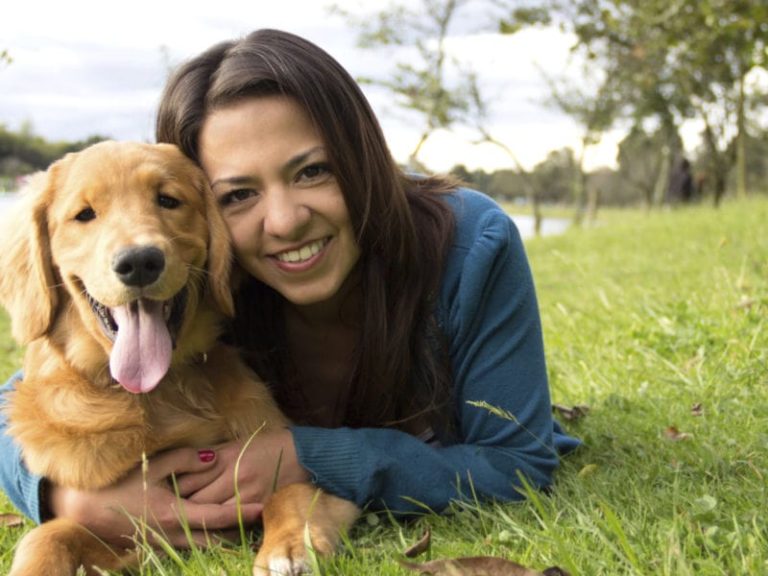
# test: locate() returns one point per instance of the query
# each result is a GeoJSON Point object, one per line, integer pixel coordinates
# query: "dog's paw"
{"type": "Point", "coordinates": [278, 564]}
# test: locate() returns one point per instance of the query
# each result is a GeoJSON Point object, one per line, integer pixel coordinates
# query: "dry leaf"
{"type": "Point", "coordinates": [587, 470]}
{"type": "Point", "coordinates": [697, 409]}
{"type": "Point", "coordinates": [477, 566]}
{"type": "Point", "coordinates": [674, 434]}
{"type": "Point", "coordinates": [570, 414]}
{"type": "Point", "coordinates": [745, 303]}
{"type": "Point", "coordinates": [419, 547]}
{"type": "Point", "coordinates": [11, 520]}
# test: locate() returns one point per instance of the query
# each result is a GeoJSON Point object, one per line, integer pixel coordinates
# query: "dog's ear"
{"type": "Point", "coordinates": [219, 265]}
{"type": "Point", "coordinates": [27, 284]}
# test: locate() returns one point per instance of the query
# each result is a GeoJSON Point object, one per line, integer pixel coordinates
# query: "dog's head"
{"type": "Point", "coordinates": [125, 239]}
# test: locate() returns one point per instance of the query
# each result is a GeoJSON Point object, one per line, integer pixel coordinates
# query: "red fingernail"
{"type": "Point", "coordinates": [206, 455]}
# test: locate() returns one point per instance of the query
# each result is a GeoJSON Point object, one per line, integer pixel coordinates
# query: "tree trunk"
{"type": "Point", "coordinates": [530, 189]}
{"type": "Point", "coordinates": [718, 161]}
{"type": "Point", "coordinates": [533, 199]}
{"type": "Point", "coordinates": [413, 161]}
{"type": "Point", "coordinates": [741, 150]}
{"type": "Point", "coordinates": [662, 180]}
{"type": "Point", "coordinates": [579, 186]}
{"type": "Point", "coordinates": [720, 186]}
{"type": "Point", "coordinates": [593, 202]}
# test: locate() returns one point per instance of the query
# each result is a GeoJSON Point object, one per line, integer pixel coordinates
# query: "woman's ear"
{"type": "Point", "coordinates": [27, 283]}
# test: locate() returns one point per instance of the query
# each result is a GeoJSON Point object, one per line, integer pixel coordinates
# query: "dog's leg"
{"type": "Point", "coordinates": [286, 515]}
{"type": "Point", "coordinates": [59, 547]}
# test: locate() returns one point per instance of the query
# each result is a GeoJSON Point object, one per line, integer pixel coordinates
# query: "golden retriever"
{"type": "Point", "coordinates": [115, 271]}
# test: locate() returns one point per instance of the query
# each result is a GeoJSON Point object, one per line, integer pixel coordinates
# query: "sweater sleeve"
{"type": "Point", "coordinates": [19, 484]}
{"type": "Point", "coordinates": [490, 318]}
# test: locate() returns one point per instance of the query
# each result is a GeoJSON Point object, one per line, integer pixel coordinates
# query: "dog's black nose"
{"type": "Point", "coordinates": [138, 266]}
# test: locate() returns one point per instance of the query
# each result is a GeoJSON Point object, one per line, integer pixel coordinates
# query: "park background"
{"type": "Point", "coordinates": [653, 298]}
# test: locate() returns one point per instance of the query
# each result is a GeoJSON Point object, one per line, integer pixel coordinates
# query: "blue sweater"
{"type": "Point", "coordinates": [489, 316]}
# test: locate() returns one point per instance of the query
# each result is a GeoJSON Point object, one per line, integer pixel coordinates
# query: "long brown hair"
{"type": "Point", "coordinates": [403, 227]}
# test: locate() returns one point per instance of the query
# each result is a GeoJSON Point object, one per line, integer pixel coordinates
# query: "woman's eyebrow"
{"type": "Point", "coordinates": [236, 180]}
{"type": "Point", "coordinates": [289, 166]}
{"type": "Point", "coordinates": [299, 159]}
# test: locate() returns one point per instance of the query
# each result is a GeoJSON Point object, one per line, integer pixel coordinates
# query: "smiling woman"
{"type": "Point", "coordinates": [383, 309]}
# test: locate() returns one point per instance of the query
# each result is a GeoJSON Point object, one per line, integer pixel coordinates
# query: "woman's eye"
{"type": "Point", "coordinates": [168, 202]}
{"type": "Point", "coordinates": [85, 215]}
{"type": "Point", "coordinates": [314, 172]}
{"type": "Point", "coordinates": [235, 196]}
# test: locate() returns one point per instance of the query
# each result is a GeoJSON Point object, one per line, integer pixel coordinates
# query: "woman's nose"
{"type": "Point", "coordinates": [285, 215]}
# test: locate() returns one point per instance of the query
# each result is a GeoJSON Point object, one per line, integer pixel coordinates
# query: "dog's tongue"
{"type": "Point", "coordinates": [141, 354]}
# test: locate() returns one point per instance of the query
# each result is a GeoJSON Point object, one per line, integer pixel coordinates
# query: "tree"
{"type": "Point", "coordinates": [595, 111]}
{"type": "Point", "coordinates": [726, 41]}
{"type": "Point", "coordinates": [640, 160]}
{"type": "Point", "coordinates": [669, 61]}
{"type": "Point", "coordinates": [478, 179]}
{"type": "Point", "coordinates": [420, 82]}
{"type": "Point", "coordinates": [554, 176]}
{"type": "Point", "coordinates": [444, 91]}
{"type": "Point", "coordinates": [479, 121]}
{"type": "Point", "coordinates": [22, 151]}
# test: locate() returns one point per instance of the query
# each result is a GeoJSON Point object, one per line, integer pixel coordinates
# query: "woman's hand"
{"type": "Point", "coordinates": [110, 512]}
{"type": "Point", "coordinates": [263, 463]}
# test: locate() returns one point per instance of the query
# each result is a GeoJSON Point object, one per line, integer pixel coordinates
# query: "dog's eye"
{"type": "Point", "coordinates": [85, 215]}
{"type": "Point", "coordinates": [168, 202]}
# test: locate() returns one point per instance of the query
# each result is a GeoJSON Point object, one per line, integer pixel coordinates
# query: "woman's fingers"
{"type": "Point", "coordinates": [188, 485]}
{"type": "Point", "coordinates": [218, 516]}
{"type": "Point", "coordinates": [184, 522]}
{"type": "Point", "coordinates": [180, 461]}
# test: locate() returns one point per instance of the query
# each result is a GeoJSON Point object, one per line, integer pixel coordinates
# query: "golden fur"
{"type": "Point", "coordinates": [75, 424]}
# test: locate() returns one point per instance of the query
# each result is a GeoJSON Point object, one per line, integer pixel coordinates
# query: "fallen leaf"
{"type": "Point", "coordinates": [505, 536]}
{"type": "Point", "coordinates": [697, 409]}
{"type": "Point", "coordinates": [419, 547]}
{"type": "Point", "coordinates": [745, 303]}
{"type": "Point", "coordinates": [703, 508]}
{"type": "Point", "coordinates": [587, 470]}
{"type": "Point", "coordinates": [372, 519]}
{"type": "Point", "coordinates": [674, 434]}
{"type": "Point", "coordinates": [570, 414]}
{"type": "Point", "coordinates": [477, 566]}
{"type": "Point", "coordinates": [694, 362]}
{"type": "Point", "coordinates": [11, 520]}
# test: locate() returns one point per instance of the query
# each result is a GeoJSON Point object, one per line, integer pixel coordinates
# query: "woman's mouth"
{"type": "Point", "coordinates": [303, 254]}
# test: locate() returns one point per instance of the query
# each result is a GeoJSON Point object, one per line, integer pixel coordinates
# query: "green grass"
{"type": "Point", "coordinates": [653, 321]}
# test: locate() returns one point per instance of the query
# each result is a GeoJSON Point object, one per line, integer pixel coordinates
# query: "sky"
{"type": "Point", "coordinates": [85, 67]}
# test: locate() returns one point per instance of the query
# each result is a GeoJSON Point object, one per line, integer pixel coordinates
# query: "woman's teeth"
{"type": "Point", "coordinates": [304, 253]}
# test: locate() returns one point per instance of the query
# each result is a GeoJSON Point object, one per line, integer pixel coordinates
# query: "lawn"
{"type": "Point", "coordinates": [658, 323]}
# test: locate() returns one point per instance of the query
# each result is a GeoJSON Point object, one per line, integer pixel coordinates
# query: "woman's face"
{"type": "Point", "coordinates": [268, 168]}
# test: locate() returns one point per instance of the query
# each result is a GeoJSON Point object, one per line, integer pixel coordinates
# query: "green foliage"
{"type": "Point", "coordinates": [554, 176]}
{"type": "Point", "coordinates": [524, 16]}
{"type": "Point", "coordinates": [660, 325]}
{"type": "Point", "coordinates": [668, 61]}
{"type": "Point", "coordinates": [640, 159]}
{"type": "Point", "coordinates": [22, 152]}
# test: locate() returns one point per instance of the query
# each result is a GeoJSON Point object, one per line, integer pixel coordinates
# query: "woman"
{"type": "Point", "coordinates": [380, 307]}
